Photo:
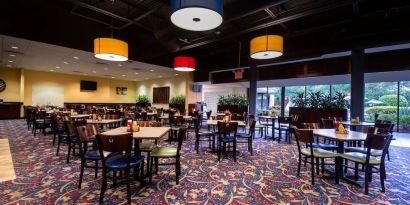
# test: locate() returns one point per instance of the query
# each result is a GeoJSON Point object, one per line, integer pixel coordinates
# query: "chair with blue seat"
{"type": "Point", "coordinates": [87, 136]}
{"type": "Point", "coordinates": [227, 132]}
{"type": "Point", "coordinates": [168, 153]}
{"type": "Point", "coordinates": [120, 159]}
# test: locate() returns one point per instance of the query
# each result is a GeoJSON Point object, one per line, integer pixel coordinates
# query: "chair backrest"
{"type": "Point", "coordinates": [376, 141]}
{"type": "Point", "coordinates": [227, 127]}
{"type": "Point", "coordinates": [312, 125]}
{"type": "Point", "coordinates": [181, 136]}
{"type": "Point", "coordinates": [208, 114]}
{"type": "Point", "coordinates": [304, 135]}
{"type": "Point", "coordinates": [327, 123]}
{"type": "Point", "coordinates": [115, 143]}
{"type": "Point", "coordinates": [219, 117]}
{"type": "Point", "coordinates": [284, 120]}
{"type": "Point", "coordinates": [87, 132]}
{"type": "Point", "coordinates": [71, 126]}
{"type": "Point", "coordinates": [155, 124]}
{"type": "Point", "coordinates": [175, 120]}
{"type": "Point", "coordinates": [252, 124]}
{"type": "Point", "coordinates": [144, 123]}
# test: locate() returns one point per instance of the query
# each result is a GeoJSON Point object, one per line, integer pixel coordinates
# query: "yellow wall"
{"type": "Point", "coordinates": [12, 78]}
{"type": "Point", "coordinates": [106, 88]}
{"type": "Point", "coordinates": [177, 86]}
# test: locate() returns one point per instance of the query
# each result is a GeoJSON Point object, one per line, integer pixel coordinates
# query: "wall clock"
{"type": "Point", "coordinates": [2, 85]}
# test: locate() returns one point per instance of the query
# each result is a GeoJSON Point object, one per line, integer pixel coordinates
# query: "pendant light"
{"type": "Point", "coordinates": [110, 49]}
{"type": "Point", "coordinates": [184, 63]}
{"type": "Point", "coordinates": [196, 15]}
{"type": "Point", "coordinates": [267, 47]}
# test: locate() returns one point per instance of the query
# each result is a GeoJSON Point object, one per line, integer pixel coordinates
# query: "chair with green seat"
{"type": "Point", "coordinates": [374, 143]}
{"type": "Point", "coordinates": [120, 159]}
{"type": "Point", "coordinates": [168, 153]}
{"type": "Point", "coordinates": [330, 147]}
{"type": "Point", "coordinates": [262, 127]}
{"type": "Point", "coordinates": [175, 122]}
{"type": "Point", "coordinates": [304, 141]}
{"type": "Point", "coordinates": [148, 146]}
{"type": "Point", "coordinates": [283, 126]}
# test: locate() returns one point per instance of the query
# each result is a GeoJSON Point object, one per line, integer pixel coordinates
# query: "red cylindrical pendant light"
{"type": "Point", "coordinates": [184, 63]}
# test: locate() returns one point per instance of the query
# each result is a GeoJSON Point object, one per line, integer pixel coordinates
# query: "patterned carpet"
{"type": "Point", "coordinates": [268, 177]}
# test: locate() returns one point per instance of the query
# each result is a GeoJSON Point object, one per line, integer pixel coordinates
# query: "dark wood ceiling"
{"type": "Point", "coordinates": [310, 27]}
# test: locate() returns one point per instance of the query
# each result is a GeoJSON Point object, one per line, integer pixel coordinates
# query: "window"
{"type": "Point", "coordinates": [381, 99]}
{"type": "Point", "coordinates": [325, 89]}
{"type": "Point", "coordinates": [290, 94]}
{"type": "Point", "coordinates": [274, 94]}
{"type": "Point", "coordinates": [404, 107]}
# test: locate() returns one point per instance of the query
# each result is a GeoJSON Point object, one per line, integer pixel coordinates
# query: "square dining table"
{"type": "Point", "coordinates": [341, 139]}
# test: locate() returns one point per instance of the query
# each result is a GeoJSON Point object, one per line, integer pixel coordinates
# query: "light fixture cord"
{"type": "Point", "coordinates": [239, 54]}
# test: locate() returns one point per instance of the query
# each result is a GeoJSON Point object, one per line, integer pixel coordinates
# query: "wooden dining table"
{"type": "Point", "coordinates": [354, 125]}
{"type": "Point", "coordinates": [145, 133]}
{"type": "Point", "coordinates": [341, 139]}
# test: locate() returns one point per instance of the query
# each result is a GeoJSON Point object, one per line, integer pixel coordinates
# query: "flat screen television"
{"type": "Point", "coordinates": [197, 88]}
{"type": "Point", "coordinates": [88, 85]}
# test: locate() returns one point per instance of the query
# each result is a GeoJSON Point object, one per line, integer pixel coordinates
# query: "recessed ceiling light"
{"type": "Point", "coordinates": [123, 75]}
{"type": "Point", "coordinates": [65, 62]}
{"type": "Point", "coordinates": [10, 61]}
{"type": "Point", "coordinates": [177, 74]}
{"type": "Point", "coordinates": [105, 68]}
{"type": "Point", "coordinates": [160, 76]}
{"type": "Point", "coordinates": [12, 55]}
{"type": "Point", "coordinates": [75, 57]}
{"type": "Point", "coordinates": [8, 65]}
{"type": "Point", "coordinates": [15, 47]}
{"type": "Point", "coordinates": [152, 70]}
{"type": "Point", "coordinates": [112, 77]}
{"type": "Point", "coordinates": [119, 65]}
{"type": "Point", "coordinates": [58, 67]}
{"type": "Point", "coordinates": [94, 71]}
{"type": "Point", "coordinates": [136, 73]}
{"type": "Point", "coordinates": [52, 70]}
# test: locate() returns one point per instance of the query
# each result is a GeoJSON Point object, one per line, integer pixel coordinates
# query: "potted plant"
{"type": "Point", "coordinates": [317, 105]}
{"type": "Point", "coordinates": [234, 103]}
{"type": "Point", "coordinates": [178, 102]}
{"type": "Point", "coordinates": [143, 101]}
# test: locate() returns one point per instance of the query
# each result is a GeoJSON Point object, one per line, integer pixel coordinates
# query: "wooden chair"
{"type": "Point", "coordinates": [374, 143]}
{"type": "Point", "coordinates": [175, 122]}
{"type": "Point", "coordinates": [283, 126]}
{"type": "Point", "coordinates": [120, 159]}
{"type": "Point", "coordinates": [327, 123]}
{"type": "Point", "coordinates": [71, 137]}
{"type": "Point", "coordinates": [87, 134]}
{"type": "Point", "coordinates": [248, 138]}
{"type": "Point", "coordinates": [168, 153]}
{"type": "Point", "coordinates": [202, 135]}
{"type": "Point", "coordinates": [304, 141]}
{"type": "Point", "coordinates": [227, 135]}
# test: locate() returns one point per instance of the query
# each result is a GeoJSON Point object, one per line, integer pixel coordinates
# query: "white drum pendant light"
{"type": "Point", "coordinates": [197, 15]}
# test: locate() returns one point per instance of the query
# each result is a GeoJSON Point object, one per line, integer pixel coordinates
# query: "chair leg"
{"type": "Point", "coordinates": [127, 175]}
{"type": "Point", "coordinates": [323, 165]}
{"type": "Point", "coordinates": [356, 171]}
{"type": "Point", "coordinates": [150, 169]}
{"type": "Point", "coordinates": [69, 152]}
{"type": "Point", "coordinates": [366, 179]}
{"type": "Point", "coordinates": [382, 178]}
{"type": "Point", "coordinates": [58, 145]}
{"type": "Point", "coordinates": [81, 173]}
{"type": "Point", "coordinates": [96, 169]}
{"type": "Point", "coordinates": [156, 165]}
{"type": "Point", "coordinates": [388, 155]}
{"type": "Point", "coordinates": [250, 146]}
{"type": "Point", "coordinates": [299, 164]}
{"type": "Point", "coordinates": [177, 170]}
{"type": "Point", "coordinates": [312, 170]}
{"type": "Point", "coordinates": [234, 150]}
{"type": "Point", "coordinates": [317, 166]}
{"type": "Point", "coordinates": [104, 186]}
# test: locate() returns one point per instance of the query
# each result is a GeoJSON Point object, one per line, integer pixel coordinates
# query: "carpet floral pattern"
{"type": "Point", "coordinates": [267, 177]}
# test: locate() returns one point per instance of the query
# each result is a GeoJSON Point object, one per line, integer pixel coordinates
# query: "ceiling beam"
{"type": "Point", "coordinates": [271, 14]}
{"type": "Point", "coordinates": [141, 17]}
{"type": "Point", "coordinates": [110, 14]}
{"type": "Point", "coordinates": [273, 23]}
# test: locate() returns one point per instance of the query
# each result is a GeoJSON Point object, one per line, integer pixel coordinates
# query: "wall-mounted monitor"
{"type": "Point", "coordinates": [88, 85]}
{"type": "Point", "coordinates": [197, 88]}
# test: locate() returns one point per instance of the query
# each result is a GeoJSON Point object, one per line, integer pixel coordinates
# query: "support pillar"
{"type": "Point", "coordinates": [252, 88]}
{"type": "Point", "coordinates": [357, 84]}
{"type": "Point", "coordinates": [282, 101]}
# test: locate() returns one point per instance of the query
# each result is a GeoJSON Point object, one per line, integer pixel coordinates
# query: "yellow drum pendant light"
{"type": "Point", "coordinates": [266, 47]}
{"type": "Point", "coordinates": [110, 49]}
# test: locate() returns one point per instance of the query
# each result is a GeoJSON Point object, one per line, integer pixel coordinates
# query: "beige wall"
{"type": "Point", "coordinates": [177, 86]}
{"type": "Point", "coordinates": [106, 88]}
{"type": "Point", "coordinates": [12, 78]}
